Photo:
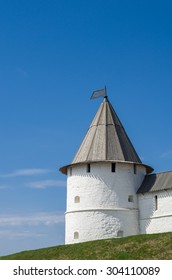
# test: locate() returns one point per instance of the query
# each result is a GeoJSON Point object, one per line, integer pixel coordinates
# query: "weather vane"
{"type": "Point", "coordinates": [99, 93]}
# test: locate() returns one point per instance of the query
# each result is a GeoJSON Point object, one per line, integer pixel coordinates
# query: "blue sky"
{"type": "Point", "coordinates": [53, 54]}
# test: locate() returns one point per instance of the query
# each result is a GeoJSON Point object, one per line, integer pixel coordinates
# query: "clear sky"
{"type": "Point", "coordinates": [53, 54]}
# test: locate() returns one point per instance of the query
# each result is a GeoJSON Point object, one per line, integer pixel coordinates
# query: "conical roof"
{"type": "Point", "coordinates": [106, 140]}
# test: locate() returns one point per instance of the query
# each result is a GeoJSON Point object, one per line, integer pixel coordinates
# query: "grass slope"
{"type": "Point", "coordinates": [140, 247]}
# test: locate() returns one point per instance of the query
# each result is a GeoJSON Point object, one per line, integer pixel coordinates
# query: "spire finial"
{"type": "Point", "coordinates": [105, 93]}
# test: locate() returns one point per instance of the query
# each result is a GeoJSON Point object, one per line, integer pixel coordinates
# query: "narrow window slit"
{"type": "Point", "coordinates": [130, 198]}
{"type": "Point", "coordinates": [156, 202]}
{"type": "Point", "coordinates": [76, 235]}
{"type": "Point", "coordinates": [113, 167]}
{"type": "Point", "coordinates": [77, 199]}
{"type": "Point", "coordinates": [70, 171]}
{"type": "Point", "coordinates": [120, 233]}
{"type": "Point", "coordinates": [88, 168]}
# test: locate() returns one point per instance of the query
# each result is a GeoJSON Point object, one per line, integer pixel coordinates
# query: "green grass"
{"type": "Point", "coordinates": [139, 247]}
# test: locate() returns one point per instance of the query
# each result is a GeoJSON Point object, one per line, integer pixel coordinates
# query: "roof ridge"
{"type": "Point", "coordinates": [94, 134]}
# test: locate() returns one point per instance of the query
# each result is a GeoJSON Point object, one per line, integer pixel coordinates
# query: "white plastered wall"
{"type": "Point", "coordinates": [103, 208]}
{"type": "Point", "coordinates": [154, 220]}
{"type": "Point", "coordinates": [100, 224]}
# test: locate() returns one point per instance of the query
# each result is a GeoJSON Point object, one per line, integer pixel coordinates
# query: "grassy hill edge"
{"type": "Point", "coordinates": [139, 247]}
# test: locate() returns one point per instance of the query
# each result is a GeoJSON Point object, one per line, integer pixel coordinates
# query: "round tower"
{"type": "Point", "coordinates": [102, 182]}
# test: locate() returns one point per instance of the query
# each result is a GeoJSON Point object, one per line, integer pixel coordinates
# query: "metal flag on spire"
{"type": "Point", "coordinates": [99, 93]}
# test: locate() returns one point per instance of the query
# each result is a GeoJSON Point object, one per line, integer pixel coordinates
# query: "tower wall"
{"type": "Point", "coordinates": [101, 203]}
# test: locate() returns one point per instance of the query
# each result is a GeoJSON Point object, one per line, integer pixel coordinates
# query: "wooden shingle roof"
{"type": "Point", "coordinates": [156, 182]}
{"type": "Point", "coordinates": [106, 140]}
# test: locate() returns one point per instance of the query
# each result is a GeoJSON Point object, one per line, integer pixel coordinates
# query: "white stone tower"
{"type": "Point", "coordinates": [102, 182]}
